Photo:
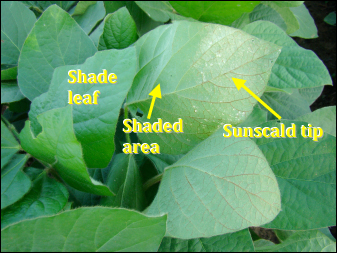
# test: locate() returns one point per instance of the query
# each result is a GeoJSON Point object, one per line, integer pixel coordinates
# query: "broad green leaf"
{"type": "Point", "coordinates": [9, 145]}
{"type": "Point", "coordinates": [331, 18]}
{"type": "Point", "coordinates": [93, 14]}
{"type": "Point", "coordinates": [255, 118]}
{"type": "Point", "coordinates": [282, 235]}
{"type": "Point", "coordinates": [94, 125]}
{"type": "Point", "coordinates": [124, 180]}
{"type": "Point", "coordinates": [288, 3]}
{"type": "Point", "coordinates": [96, 34]}
{"type": "Point", "coordinates": [267, 13]}
{"type": "Point", "coordinates": [161, 161]}
{"type": "Point", "coordinates": [221, 12]}
{"type": "Point", "coordinates": [303, 241]}
{"type": "Point", "coordinates": [262, 243]}
{"type": "Point", "coordinates": [14, 183]}
{"type": "Point", "coordinates": [46, 197]}
{"type": "Point", "coordinates": [306, 173]}
{"type": "Point", "coordinates": [112, 6]}
{"type": "Point", "coordinates": [43, 5]}
{"type": "Point", "coordinates": [54, 41]}
{"type": "Point", "coordinates": [235, 242]}
{"type": "Point", "coordinates": [242, 21]}
{"type": "Point", "coordinates": [160, 11]}
{"type": "Point", "coordinates": [96, 229]}
{"type": "Point", "coordinates": [33, 172]}
{"type": "Point", "coordinates": [219, 176]}
{"type": "Point", "coordinates": [283, 90]}
{"type": "Point", "coordinates": [310, 94]}
{"type": "Point", "coordinates": [8, 72]}
{"type": "Point", "coordinates": [119, 31]}
{"type": "Point", "coordinates": [10, 92]}
{"type": "Point", "coordinates": [288, 106]}
{"type": "Point", "coordinates": [308, 28]}
{"type": "Point", "coordinates": [326, 231]}
{"type": "Point", "coordinates": [57, 146]}
{"type": "Point", "coordinates": [16, 119]}
{"type": "Point", "coordinates": [82, 6]}
{"type": "Point", "coordinates": [194, 63]}
{"type": "Point", "coordinates": [16, 22]}
{"type": "Point", "coordinates": [324, 118]}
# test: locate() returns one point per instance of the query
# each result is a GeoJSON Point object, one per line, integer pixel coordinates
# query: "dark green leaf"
{"type": "Point", "coordinates": [9, 145]}
{"type": "Point", "coordinates": [9, 73]}
{"type": "Point", "coordinates": [10, 91]}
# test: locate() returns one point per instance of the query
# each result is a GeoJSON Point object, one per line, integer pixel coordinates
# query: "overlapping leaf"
{"type": "Point", "coordinates": [194, 63]}
{"type": "Point", "coordinates": [9, 145]}
{"type": "Point", "coordinates": [307, 28]}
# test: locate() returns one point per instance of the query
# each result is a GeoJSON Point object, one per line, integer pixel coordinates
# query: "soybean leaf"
{"type": "Point", "coordinates": [9, 145]}
{"type": "Point", "coordinates": [194, 63]}
{"type": "Point", "coordinates": [331, 18]}
{"type": "Point", "coordinates": [33, 172]}
{"type": "Point", "coordinates": [288, 3]}
{"type": "Point", "coordinates": [82, 6]}
{"type": "Point", "coordinates": [16, 22]}
{"type": "Point", "coordinates": [86, 230]}
{"type": "Point", "coordinates": [267, 13]}
{"type": "Point", "coordinates": [221, 186]}
{"type": "Point", "coordinates": [236, 242]}
{"type": "Point", "coordinates": [242, 21]}
{"type": "Point", "coordinates": [262, 243]}
{"type": "Point", "coordinates": [161, 161]}
{"type": "Point", "coordinates": [221, 12]}
{"type": "Point", "coordinates": [8, 72]}
{"type": "Point", "coordinates": [10, 91]}
{"type": "Point", "coordinates": [324, 118]}
{"type": "Point", "coordinates": [14, 183]}
{"type": "Point", "coordinates": [93, 14]}
{"type": "Point", "coordinates": [310, 94]}
{"type": "Point", "coordinates": [303, 241]}
{"type": "Point", "coordinates": [282, 235]}
{"type": "Point", "coordinates": [55, 40]}
{"type": "Point", "coordinates": [57, 146]}
{"type": "Point", "coordinates": [119, 31]}
{"type": "Point", "coordinates": [255, 118]}
{"type": "Point", "coordinates": [326, 231]}
{"type": "Point", "coordinates": [43, 5]}
{"type": "Point", "coordinates": [46, 197]}
{"type": "Point", "coordinates": [112, 6]}
{"type": "Point", "coordinates": [157, 10]}
{"type": "Point", "coordinates": [94, 128]}
{"type": "Point", "coordinates": [306, 173]}
{"type": "Point", "coordinates": [307, 28]}
{"type": "Point", "coordinates": [96, 34]}
{"type": "Point", "coordinates": [124, 180]}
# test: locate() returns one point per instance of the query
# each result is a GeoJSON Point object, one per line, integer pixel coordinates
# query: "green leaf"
{"type": "Point", "coordinates": [96, 34]}
{"type": "Point", "coordinates": [57, 145]}
{"type": "Point", "coordinates": [324, 118]}
{"type": "Point", "coordinates": [95, 128]}
{"type": "Point", "coordinates": [267, 13]}
{"type": "Point", "coordinates": [255, 118]}
{"type": "Point", "coordinates": [54, 41]}
{"type": "Point", "coordinates": [303, 241]}
{"type": "Point", "coordinates": [308, 29]}
{"type": "Point", "coordinates": [10, 92]}
{"type": "Point", "coordinates": [235, 242]}
{"type": "Point", "coordinates": [288, 3]}
{"type": "Point", "coordinates": [46, 197]}
{"type": "Point", "coordinates": [160, 11]}
{"type": "Point", "coordinates": [327, 232]}
{"type": "Point", "coordinates": [119, 31]}
{"type": "Point", "coordinates": [112, 6]}
{"type": "Point", "coordinates": [93, 14]}
{"type": "Point", "coordinates": [124, 180]}
{"type": "Point", "coordinates": [9, 73]}
{"type": "Point", "coordinates": [288, 106]}
{"type": "Point", "coordinates": [9, 145]}
{"type": "Point", "coordinates": [16, 22]}
{"type": "Point", "coordinates": [262, 243]}
{"type": "Point", "coordinates": [310, 94]}
{"type": "Point", "coordinates": [282, 235]}
{"type": "Point", "coordinates": [42, 5]}
{"type": "Point", "coordinates": [306, 173]}
{"type": "Point", "coordinates": [219, 176]}
{"type": "Point", "coordinates": [14, 183]}
{"type": "Point", "coordinates": [194, 63]}
{"type": "Point", "coordinates": [161, 161]}
{"type": "Point", "coordinates": [331, 18]}
{"type": "Point", "coordinates": [221, 12]}
{"type": "Point", "coordinates": [82, 6]}
{"type": "Point", "coordinates": [242, 21]}
{"type": "Point", "coordinates": [86, 230]}
{"type": "Point", "coordinates": [33, 172]}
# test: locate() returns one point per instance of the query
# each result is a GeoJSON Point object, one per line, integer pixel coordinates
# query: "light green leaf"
{"type": "Point", "coordinates": [242, 21]}
{"type": "Point", "coordinates": [82, 6]}
{"type": "Point", "coordinates": [271, 89]}
{"type": "Point", "coordinates": [219, 176]}
{"type": "Point", "coordinates": [303, 241]}
{"type": "Point", "coordinates": [288, 106]}
{"type": "Point", "coordinates": [235, 242]}
{"type": "Point", "coordinates": [221, 12]}
{"type": "Point", "coordinates": [161, 161]}
{"type": "Point", "coordinates": [94, 128]}
{"type": "Point", "coordinates": [93, 14]}
{"type": "Point", "coordinates": [42, 5]}
{"type": "Point", "coordinates": [124, 180]}
{"type": "Point", "coordinates": [310, 94]}
{"type": "Point", "coordinates": [324, 118]}
{"type": "Point", "coordinates": [267, 13]}
{"type": "Point", "coordinates": [8, 72]}
{"type": "Point", "coordinates": [194, 63]}
{"type": "Point", "coordinates": [46, 197]}
{"type": "Point", "coordinates": [331, 18]}
{"type": "Point", "coordinates": [10, 92]}
{"type": "Point", "coordinates": [14, 183]}
{"type": "Point", "coordinates": [160, 11]}
{"type": "Point", "coordinates": [308, 28]}
{"type": "Point", "coordinates": [306, 173]}
{"type": "Point", "coordinates": [16, 22]}
{"type": "Point", "coordinates": [54, 41]}
{"type": "Point", "coordinates": [119, 31]}
{"type": "Point", "coordinates": [262, 243]}
{"type": "Point", "coordinates": [288, 3]}
{"type": "Point", "coordinates": [9, 145]}
{"type": "Point", "coordinates": [57, 145]}
{"type": "Point", "coordinates": [255, 118]}
{"type": "Point", "coordinates": [86, 230]}
{"type": "Point", "coordinates": [326, 231]}
{"type": "Point", "coordinates": [94, 36]}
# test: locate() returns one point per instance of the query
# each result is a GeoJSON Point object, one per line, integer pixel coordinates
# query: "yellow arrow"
{"type": "Point", "coordinates": [154, 93]}
{"type": "Point", "coordinates": [240, 83]}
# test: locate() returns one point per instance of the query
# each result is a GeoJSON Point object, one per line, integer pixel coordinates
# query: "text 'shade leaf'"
{"type": "Point", "coordinates": [194, 63]}
{"type": "Point", "coordinates": [94, 125]}
{"type": "Point", "coordinates": [221, 186]}
{"type": "Point", "coordinates": [95, 229]}
{"type": "Point", "coordinates": [57, 145]}
{"type": "Point", "coordinates": [55, 40]}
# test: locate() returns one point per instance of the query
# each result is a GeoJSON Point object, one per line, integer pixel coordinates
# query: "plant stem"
{"type": "Point", "coordinates": [126, 116]}
{"type": "Point", "coordinates": [152, 181]}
